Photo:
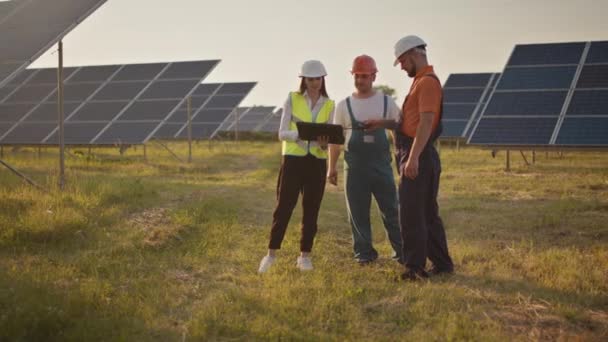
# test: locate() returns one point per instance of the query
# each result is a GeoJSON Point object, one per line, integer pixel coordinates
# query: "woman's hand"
{"type": "Point", "coordinates": [323, 142]}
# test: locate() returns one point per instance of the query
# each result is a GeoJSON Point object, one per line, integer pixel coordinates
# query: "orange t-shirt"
{"type": "Point", "coordinates": [425, 97]}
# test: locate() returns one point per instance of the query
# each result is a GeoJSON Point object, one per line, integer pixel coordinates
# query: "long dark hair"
{"type": "Point", "coordinates": [303, 87]}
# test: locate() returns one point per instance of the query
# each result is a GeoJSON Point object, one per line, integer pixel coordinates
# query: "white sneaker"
{"type": "Point", "coordinates": [304, 263]}
{"type": "Point", "coordinates": [265, 264]}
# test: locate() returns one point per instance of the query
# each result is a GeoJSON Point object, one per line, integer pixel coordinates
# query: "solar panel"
{"type": "Point", "coordinates": [30, 27]}
{"type": "Point", "coordinates": [549, 94]}
{"type": "Point", "coordinates": [273, 122]}
{"type": "Point", "coordinates": [201, 130]}
{"type": "Point", "coordinates": [251, 119]}
{"type": "Point", "coordinates": [212, 104]}
{"type": "Point", "coordinates": [95, 99]}
{"type": "Point", "coordinates": [462, 99]}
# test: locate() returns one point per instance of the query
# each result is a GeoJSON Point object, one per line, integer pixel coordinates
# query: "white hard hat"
{"type": "Point", "coordinates": [313, 68]}
{"type": "Point", "coordinates": [405, 44]}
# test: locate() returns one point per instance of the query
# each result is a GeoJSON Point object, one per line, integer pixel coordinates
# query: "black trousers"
{"type": "Point", "coordinates": [422, 230]}
{"type": "Point", "coordinates": [298, 175]}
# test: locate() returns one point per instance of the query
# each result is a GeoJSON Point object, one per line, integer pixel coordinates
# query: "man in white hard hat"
{"type": "Point", "coordinates": [422, 230]}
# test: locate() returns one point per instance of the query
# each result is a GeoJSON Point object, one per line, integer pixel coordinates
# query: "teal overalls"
{"type": "Point", "coordinates": [368, 171]}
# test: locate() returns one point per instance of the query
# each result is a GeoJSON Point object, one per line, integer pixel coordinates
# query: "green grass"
{"type": "Point", "coordinates": [162, 250]}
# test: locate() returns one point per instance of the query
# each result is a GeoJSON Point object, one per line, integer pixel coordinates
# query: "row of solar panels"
{"type": "Point", "coordinates": [548, 94]}
{"type": "Point", "coordinates": [114, 104]}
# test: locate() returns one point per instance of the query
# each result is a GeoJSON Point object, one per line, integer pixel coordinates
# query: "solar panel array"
{"type": "Point", "coordinates": [31, 27]}
{"type": "Point", "coordinates": [211, 106]}
{"type": "Point", "coordinates": [103, 105]}
{"type": "Point", "coordinates": [464, 96]}
{"type": "Point", "coordinates": [250, 118]}
{"type": "Point", "coordinates": [549, 94]}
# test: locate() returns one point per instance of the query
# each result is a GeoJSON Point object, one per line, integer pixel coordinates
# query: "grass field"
{"type": "Point", "coordinates": [162, 250]}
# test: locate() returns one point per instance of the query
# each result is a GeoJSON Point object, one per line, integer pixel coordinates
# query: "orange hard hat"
{"type": "Point", "coordinates": [364, 64]}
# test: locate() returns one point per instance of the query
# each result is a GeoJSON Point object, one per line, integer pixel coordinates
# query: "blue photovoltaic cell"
{"type": "Point", "coordinates": [139, 72]}
{"type": "Point", "coordinates": [188, 70]}
{"type": "Point", "coordinates": [14, 112]}
{"type": "Point", "coordinates": [76, 92]}
{"type": "Point", "coordinates": [227, 101]}
{"type": "Point", "coordinates": [48, 112]}
{"type": "Point", "coordinates": [93, 73]}
{"type": "Point", "coordinates": [98, 111]}
{"type": "Point", "coordinates": [589, 102]}
{"type": "Point", "coordinates": [149, 110]}
{"type": "Point", "coordinates": [120, 91]}
{"type": "Point", "coordinates": [514, 131]}
{"type": "Point", "coordinates": [453, 128]}
{"type": "Point", "coordinates": [21, 77]}
{"type": "Point", "coordinates": [201, 130]}
{"type": "Point", "coordinates": [49, 76]}
{"type": "Point", "coordinates": [598, 52]}
{"type": "Point", "coordinates": [593, 76]}
{"type": "Point", "coordinates": [468, 80]}
{"type": "Point", "coordinates": [537, 78]}
{"type": "Point", "coordinates": [126, 133]}
{"type": "Point", "coordinates": [212, 115]}
{"type": "Point", "coordinates": [28, 133]}
{"type": "Point", "coordinates": [169, 89]}
{"type": "Point", "coordinates": [4, 127]}
{"type": "Point", "coordinates": [79, 133]}
{"type": "Point", "coordinates": [5, 91]}
{"type": "Point", "coordinates": [236, 88]}
{"type": "Point", "coordinates": [458, 111]}
{"type": "Point", "coordinates": [168, 130]}
{"type": "Point", "coordinates": [528, 103]}
{"type": "Point", "coordinates": [31, 93]}
{"type": "Point", "coordinates": [462, 95]}
{"type": "Point", "coordinates": [206, 89]}
{"type": "Point", "coordinates": [583, 131]}
{"type": "Point", "coordinates": [180, 116]}
{"type": "Point", "coordinates": [539, 54]}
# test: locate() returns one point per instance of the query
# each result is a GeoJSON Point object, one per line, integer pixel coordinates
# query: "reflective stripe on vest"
{"type": "Point", "coordinates": [302, 113]}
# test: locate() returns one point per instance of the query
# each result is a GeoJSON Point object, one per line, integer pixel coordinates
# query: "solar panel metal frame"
{"type": "Point", "coordinates": [565, 106]}
{"type": "Point", "coordinates": [478, 104]}
{"type": "Point", "coordinates": [90, 99]}
{"type": "Point", "coordinates": [24, 64]}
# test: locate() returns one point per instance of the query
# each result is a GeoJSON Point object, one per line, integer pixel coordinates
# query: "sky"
{"type": "Point", "coordinates": [267, 41]}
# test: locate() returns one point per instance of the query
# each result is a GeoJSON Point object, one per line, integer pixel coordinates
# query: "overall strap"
{"type": "Point", "coordinates": [354, 121]}
{"type": "Point", "coordinates": [385, 107]}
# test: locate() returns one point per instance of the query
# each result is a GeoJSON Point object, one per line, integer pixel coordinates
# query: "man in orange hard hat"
{"type": "Point", "coordinates": [367, 157]}
{"type": "Point", "coordinates": [419, 164]}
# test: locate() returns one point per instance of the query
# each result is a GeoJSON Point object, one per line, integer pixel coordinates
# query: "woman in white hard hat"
{"type": "Point", "coordinates": [304, 164]}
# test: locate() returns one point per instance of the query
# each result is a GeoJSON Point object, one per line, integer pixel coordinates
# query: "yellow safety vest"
{"type": "Point", "coordinates": [301, 113]}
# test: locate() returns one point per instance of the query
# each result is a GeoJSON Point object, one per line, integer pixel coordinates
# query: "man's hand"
{"type": "Point", "coordinates": [370, 125]}
{"type": "Point", "coordinates": [323, 142]}
{"type": "Point", "coordinates": [411, 168]}
{"type": "Point", "coordinates": [332, 176]}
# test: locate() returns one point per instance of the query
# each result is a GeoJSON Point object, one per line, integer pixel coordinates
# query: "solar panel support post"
{"type": "Point", "coordinates": [1, 151]}
{"type": "Point", "coordinates": [145, 153]}
{"type": "Point", "coordinates": [236, 126]}
{"type": "Point", "coordinates": [189, 102]}
{"type": "Point", "coordinates": [524, 157]}
{"type": "Point", "coordinates": [457, 145]}
{"type": "Point", "coordinates": [61, 117]}
{"type": "Point", "coordinates": [508, 168]}
{"type": "Point", "coordinates": [533, 157]}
